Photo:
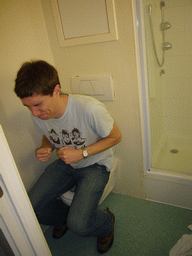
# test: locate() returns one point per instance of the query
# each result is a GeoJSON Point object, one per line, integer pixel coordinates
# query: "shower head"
{"type": "Point", "coordinates": [150, 9]}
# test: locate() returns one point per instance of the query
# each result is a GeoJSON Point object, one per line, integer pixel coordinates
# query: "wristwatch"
{"type": "Point", "coordinates": [85, 153]}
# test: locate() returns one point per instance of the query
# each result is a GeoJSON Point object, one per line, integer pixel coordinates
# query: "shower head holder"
{"type": "Point", "coordinates": [165, 25]}
{"type": "Point", "coordinates": [166, 46]}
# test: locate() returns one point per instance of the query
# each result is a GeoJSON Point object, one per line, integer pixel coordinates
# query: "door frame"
{"type": "Point", "coordinates": [19, 202]}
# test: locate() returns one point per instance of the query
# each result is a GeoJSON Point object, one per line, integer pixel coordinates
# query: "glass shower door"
{"type": "Point", "coordinates": [168, 39]}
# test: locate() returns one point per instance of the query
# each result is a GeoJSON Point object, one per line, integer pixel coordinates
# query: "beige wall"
{"type": "Point", "coordinates": [116, 58]}
{"type": "Point", "coordinates": [23, 37]}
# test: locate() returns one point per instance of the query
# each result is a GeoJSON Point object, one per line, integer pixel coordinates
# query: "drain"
{"type": "Point", "coordinates": [174, 151]}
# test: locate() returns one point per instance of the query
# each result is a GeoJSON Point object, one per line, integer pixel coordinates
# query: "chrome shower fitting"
{"type": "Point", "coordinates": [166, 46]}
{"type": "Point", "coordinates": [150, 9]}
{"type": "Point", "coordinates": [162, 72]}
{"type": "Point", "coordinates": [165, 25]}
{"type": "Point", "coordinates": [162, 4]}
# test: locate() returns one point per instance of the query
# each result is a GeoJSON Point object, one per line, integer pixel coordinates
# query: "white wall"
{"type": "Point", "coordinates": [25, 37]}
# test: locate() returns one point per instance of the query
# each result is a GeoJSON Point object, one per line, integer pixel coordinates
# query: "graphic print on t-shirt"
{"type": "Point", "coordinates": [65, 138]}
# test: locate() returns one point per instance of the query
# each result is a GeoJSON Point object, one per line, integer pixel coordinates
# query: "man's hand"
{"type": "Point", "coordinates": [43, 154]}
{"type": "Point", "coordinates": [70, 155]}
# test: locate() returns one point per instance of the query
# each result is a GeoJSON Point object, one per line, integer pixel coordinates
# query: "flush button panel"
{"type": "Point", "coordinates": [100, 87]}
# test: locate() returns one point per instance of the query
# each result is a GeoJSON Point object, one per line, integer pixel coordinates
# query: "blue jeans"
{"type": "Point", "coordinates": [83, 218]}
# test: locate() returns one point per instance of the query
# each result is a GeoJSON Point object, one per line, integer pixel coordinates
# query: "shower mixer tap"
{"type": "Point", "coordinates": [162, 72]}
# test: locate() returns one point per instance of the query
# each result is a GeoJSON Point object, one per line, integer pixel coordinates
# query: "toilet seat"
{"type": "Point", "coordinates": [67, 197]}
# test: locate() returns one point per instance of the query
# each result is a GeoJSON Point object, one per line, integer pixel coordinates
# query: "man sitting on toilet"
{"type": "Point", "coordinates": [82, 132]}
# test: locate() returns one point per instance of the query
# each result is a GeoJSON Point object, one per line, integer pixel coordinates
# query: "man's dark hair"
{"type": "Point", "coordinates": [37, 77]}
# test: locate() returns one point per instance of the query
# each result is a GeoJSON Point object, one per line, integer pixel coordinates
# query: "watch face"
{"type": "Point", "coordinates": [85, 153]}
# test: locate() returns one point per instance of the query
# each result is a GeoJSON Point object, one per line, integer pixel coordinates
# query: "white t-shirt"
{"type": "Point", "coordinates": [85, 121]}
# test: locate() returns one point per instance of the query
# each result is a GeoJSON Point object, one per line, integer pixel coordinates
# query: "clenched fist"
{"type": "Point", "coordinates": [70, 155]}
{"type": "Point", "coordinates": [43, 154]}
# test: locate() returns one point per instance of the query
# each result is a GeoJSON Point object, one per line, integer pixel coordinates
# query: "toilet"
{"type": "Point", "coordinates": [67, 197]}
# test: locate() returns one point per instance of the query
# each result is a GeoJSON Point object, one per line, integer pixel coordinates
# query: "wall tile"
{"type": "Point", "coordinates": [174, 107]}
{"type": "Point", "coordinates": [188, 17]}
{"type": "Point", "coordinates": [173, 3]}
{"type": "Point", "coordinates": [186, 2]}
{"type": "Point", "coordinates": [188, 42]}
{"type": "Point", "coordinates": [187, 127]}
{"type": "Point", "coordinates": [175, 66]}
{"type": "Point", "coordinates": [176, 17]}
{"type": "Point", "coordinates": [188, 66]}
{"type": "Point", "coordinates": [177, 88]}
{"type": "Point", "coordinates": [177, 41]}
{"type": "Point", "coordinates": [173, 125]}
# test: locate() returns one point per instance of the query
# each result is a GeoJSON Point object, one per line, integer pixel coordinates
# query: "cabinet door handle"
{"type": "Point", "coordinates": [1, 192]}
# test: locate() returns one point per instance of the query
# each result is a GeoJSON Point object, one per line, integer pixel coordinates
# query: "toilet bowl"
{"type": "Point", "coordinates": [67, 197]}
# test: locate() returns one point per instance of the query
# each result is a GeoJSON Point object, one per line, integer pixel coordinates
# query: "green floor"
{"type": "Point", "coordinates": [142, 228]}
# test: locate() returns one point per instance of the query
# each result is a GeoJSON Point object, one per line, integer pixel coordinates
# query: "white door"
{"type": "Point", "coordinates": [18, 223]}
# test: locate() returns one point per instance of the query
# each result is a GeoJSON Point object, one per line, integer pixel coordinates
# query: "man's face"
{"type": "Point", "coordinates": [42, 106]}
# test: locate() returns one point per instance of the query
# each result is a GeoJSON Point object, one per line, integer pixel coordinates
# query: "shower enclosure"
{"type": "Point", "coordinates": [163, 34]}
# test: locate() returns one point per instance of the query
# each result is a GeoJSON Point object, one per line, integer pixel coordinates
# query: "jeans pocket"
{"type": "Point", "coordinates": [103, 168]}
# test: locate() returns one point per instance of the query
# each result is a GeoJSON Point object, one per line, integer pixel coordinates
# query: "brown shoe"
{"type": "Point", "coordinates": [58, 232]}
{"type": "Point", "coordinates": [105, 243]}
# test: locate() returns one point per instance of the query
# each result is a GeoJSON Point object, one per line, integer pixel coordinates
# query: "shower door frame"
{"type": "Point", "coordinates": [141, 61]}
{"type": "Point", "coordinates": [163, 186]}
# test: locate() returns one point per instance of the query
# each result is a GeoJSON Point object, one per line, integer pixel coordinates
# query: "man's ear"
{"type": "Point", "coordinates": [57, 89]}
